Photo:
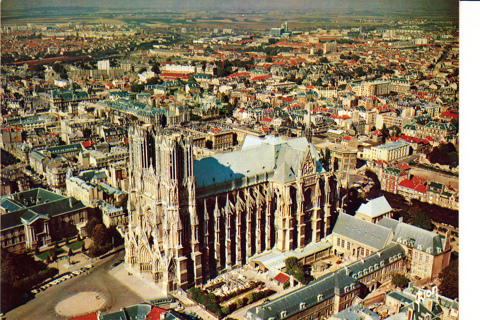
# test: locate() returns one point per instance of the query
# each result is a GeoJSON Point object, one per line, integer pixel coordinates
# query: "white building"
{"type": "Point", "coordinates": [103, 64]}
{"type": "Point", "coordinates": [388, 152]}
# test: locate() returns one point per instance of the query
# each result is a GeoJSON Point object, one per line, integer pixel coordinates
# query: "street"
{"type": "Point", "coordinates": [97, 279]}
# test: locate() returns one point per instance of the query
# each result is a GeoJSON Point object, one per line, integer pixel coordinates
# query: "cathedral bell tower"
{"type": "Point", "coordinates": [163, 226]}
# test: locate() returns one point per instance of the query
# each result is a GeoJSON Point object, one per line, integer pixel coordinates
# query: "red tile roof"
{"type": "Point", "coordinates": [239, 74]}
{"type": "Point", "coordinates": [403, 166]}
{"type": "Point", "coordinates": [281, 277]}
{"type": "Point", "coordinates": [421, 188]}
{"type": "Point", "coordinates": [92, 316]}
{"type": "Point", "coordinates": [417, 179]}
{"type": "Point", "coordinates": [260, 78]}
{"type": "Point", "coordinates": [407, 184]}
{"type": "Point", "coordinates": [155, 313]}
{"type": "Point", "coordinates": [87, 144]}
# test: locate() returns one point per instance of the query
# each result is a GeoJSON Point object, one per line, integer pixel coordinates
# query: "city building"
{"type": "Point", "coordinates": [388, 152]}
{"type": "Point", "coordinates": [356, 312]}
{"type": "Point", "coordinates": [374, 210]}
{"type": "Point", "coordinates": [329, 47]}
{"type": "Point", "coordinates": [103, 64]}
{"type": "Point", "coordinates": [190, 219]}
{"type": "Point", "coordinates": [427, 252]}
{"type": "Point", "coordinates": [335, 291]}
{"type": "Point", "coordinates": [391, 177]}
{"type": "Point", "coordinates": [37, 217]}
{"type": "Point", "coordinates": [357, 237]}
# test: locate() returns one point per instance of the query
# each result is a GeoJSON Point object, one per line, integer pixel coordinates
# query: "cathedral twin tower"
{"type": "Point", "coordinates": [189, 219]}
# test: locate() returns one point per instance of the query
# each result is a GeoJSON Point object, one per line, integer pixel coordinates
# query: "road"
{"type": "Point", "coordinates": [98, 279]}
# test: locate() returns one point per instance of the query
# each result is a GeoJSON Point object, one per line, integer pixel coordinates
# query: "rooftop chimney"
{"type": "Point", "coordinates": [410, 314]}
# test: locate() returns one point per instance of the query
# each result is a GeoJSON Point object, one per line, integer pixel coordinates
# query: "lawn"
{"type": "Point", "coordinates": [76, 245]}
{"type": "Point", "coordinates": [43, 255]}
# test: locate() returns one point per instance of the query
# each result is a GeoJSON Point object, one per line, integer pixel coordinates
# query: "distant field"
{"type": "Point", "coordinates": [257, 21]}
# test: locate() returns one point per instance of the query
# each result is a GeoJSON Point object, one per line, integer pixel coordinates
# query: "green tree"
{"type": "Point", "coordinates": [155, 68]}
{"type": "Point", "coordinates": [372, 175]}
{"type": "Point", "coordinates": [152, 80]}
{"type": "Point", "coordinates": [291, 263]}
{"type": "Point", "coordinates": [239, 303]}
{"type": "Point", "coordinates": [449, 280]}
{"type": "Point", "coordinates": [100, 236]}
{"type": "Point", "coordinates": [418, 218]}
{"type": "Point", "coordinates": [225, 310]}
{"type": "Point", "coordinates": [91, 225]}
{"type": "Point", "coordinates": [399, 280]}
{"type": "Point", "coordinates": [137, 87]}
{"type": "Point", "coordinates": [318, 82]}
{"type": "Point", "coordinates": [294, 267]}
{"type": "Point", "coordinates": [9, 270]}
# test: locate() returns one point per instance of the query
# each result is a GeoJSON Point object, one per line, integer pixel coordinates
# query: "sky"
{"type": "Point", "coordinates": [244, 5]}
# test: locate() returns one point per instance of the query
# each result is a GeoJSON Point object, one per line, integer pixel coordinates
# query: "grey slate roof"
{"type": "Point", "coordinates": [375, 207]}
{"type": "Point", "coordinates": [9, 205]}
{"type": "Point", "coordinates": [355, 313]}
{"type": "Point", "coordinates": [390, 254]}
{"type": "Point", "coordinates": [401, 297]}
{"type": "Point", "coordinates": [370, 234]}
{"type": "Point", "coordinates": [76, 147]}
{"type": "Point", "coordinates": [259, 160]}
{"type": "Point", "coordinates": [37, 155]}
{"type": "Point", "coordinates": [421, 239]}
{"type": "Point", "coordinates": [32, 204]}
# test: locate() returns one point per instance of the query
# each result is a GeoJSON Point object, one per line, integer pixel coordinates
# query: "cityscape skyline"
{"type": "Point", "coordinates": [212, 159]}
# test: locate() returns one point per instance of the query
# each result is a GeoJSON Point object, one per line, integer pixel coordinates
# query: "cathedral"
{"type": "Point", "coordinates": [190, 219]}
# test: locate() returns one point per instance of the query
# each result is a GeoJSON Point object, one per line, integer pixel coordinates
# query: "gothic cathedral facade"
{"type": "Point", "coordinates": [190, 219]}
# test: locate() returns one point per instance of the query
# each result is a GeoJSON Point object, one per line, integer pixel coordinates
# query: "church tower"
{"type": "Point", "coordinates": [163, 227]}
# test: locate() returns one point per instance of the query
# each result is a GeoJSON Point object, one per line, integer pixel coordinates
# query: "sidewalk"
{"type": "Point", "coordinates": [141, 283]}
